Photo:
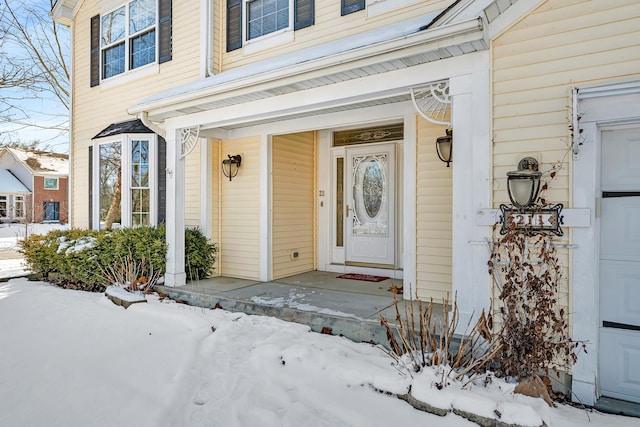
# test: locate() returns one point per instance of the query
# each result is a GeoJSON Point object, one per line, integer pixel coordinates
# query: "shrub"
{"type": "Point", "coordinates": [81, 257]}
{"type": "Point", "coordinates": [91, 260]}
{"type": "Point", "coordinates": [199, 254]}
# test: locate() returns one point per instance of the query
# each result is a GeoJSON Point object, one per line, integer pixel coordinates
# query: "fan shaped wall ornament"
{"type": "Point", "coordinates": [433, 101]}
{"type": "Point", "coordinates": [188, 140]}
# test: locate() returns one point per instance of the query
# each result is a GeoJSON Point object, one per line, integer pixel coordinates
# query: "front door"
{"type": "Point", "coordinates": [370, 205]}
{"type": "Point", "coordinates": [619, 357]}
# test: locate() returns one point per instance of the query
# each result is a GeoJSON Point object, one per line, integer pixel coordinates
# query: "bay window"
{"type": "Point", "coordinates": [124, 181]}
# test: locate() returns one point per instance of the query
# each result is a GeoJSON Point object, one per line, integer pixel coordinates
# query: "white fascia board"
{"type": "Point", "coordinates": [372, 87]}
{"type": "Point", "coordinates": [405, 46]}
{"type": "Point", "coordinates": [64, 11]}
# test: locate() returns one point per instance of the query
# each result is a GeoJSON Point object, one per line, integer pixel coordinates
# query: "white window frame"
{"type": "Point", "coordinates": [143, 69]}
{"type": "Point", "coordinates": [44, 183]}
{"type": "Point", "coordinates": [125, 176]}
{"type": "Point", "coordinates": [265, 41]}
{"type": "Point", "coordinates": [5, 199]}
{"type": "Point", "coordinates": [19, 199]}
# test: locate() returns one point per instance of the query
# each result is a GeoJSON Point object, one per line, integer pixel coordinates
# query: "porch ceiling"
{"type": "Point", "coordinates": [409, 51]}
{"type": "Point", "coordinates": [326, 80]}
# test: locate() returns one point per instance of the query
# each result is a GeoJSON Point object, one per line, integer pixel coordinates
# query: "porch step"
{"type": "Point", "coordinates": [353, 328]}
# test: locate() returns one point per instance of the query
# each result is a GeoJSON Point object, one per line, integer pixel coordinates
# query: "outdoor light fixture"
{"type": "Point", "coordinates": [523, 185]}
{"type": "Point", "coordinates": [231, 166]}
{"type": "Point", "coordinates": [444, 147]}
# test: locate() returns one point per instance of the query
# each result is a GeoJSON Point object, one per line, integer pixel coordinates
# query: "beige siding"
{"type": "Point", "coordinates": [433, 215]}
{"type": "Point", "coordinates": [293, 220]}
{"type": "Point", "coordinates": [239, 254]}
{"type": "Point", "coordinates": [192, 187]}
{"type": "Point", "coordinates": [535, 64]}
{"type": "Point", "coordinates": [95, 108]}
{"type": "Point", "coordinates": [329, 26]}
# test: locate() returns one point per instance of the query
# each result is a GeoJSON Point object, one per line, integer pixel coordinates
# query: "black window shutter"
{"type": "Point", "coordinates": [164, 23]}
{"type": "Point", "coordinates": [90, 187]}
{"type": "Point", "coordinates": [350, 6]}
{"type": "Point", "coordinates": [234, 24]}
{"type": "Point", "coordinates": [304, 14]}
{"type": "Point", "coordinates": [162, 180]}
{"type": "Point", "coordinates": [95, 50]}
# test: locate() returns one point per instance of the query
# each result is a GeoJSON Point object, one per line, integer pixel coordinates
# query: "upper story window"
{"type": "Point", "coordinates": [350, 6]}
{"type": "Point", "coordinates": [50, 183]}
{"type": "Point", "coordinates": [128, 37]}
{"type": "Point", "coordinates": [265, 17]}
{"type": "Point", "coordinates": [135, 34]}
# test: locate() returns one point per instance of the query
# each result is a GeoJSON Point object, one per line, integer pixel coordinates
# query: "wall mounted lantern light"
{"type": "Point", "coordinates": [231, 166]}
{"type": "Point", "coordinates": [523, 185]}
{"type": "Point", "coordinates": [444, 147]}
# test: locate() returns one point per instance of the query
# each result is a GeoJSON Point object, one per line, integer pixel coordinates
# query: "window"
{"type": "Point", "coordinates": [265, 17]}
{"type": "Point", "coordinates": [130, 37]}
{"type": "Point", "coordinates": [140, 200]}
{"type": "Point", "coordinates": [50, 183]}
{"type": "Point", "coordinates": [350, 6]}
{"type": "Point", "coordinates": [125, 182]}
{"type": "Point", "coordinates": [18, 203]}
{"type": "Point", "coordinates": [3, 206]}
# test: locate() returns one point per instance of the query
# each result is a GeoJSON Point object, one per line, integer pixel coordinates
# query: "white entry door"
{"type": "Point", "coordinates": [619, 356]}
{"type": "Point", "coordinates": [370, 207]}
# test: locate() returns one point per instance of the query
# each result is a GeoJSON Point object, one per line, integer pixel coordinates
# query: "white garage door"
{"type": "Point", "coordinates": [619, 345]}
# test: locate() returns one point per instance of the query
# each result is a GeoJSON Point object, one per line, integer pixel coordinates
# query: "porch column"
{"type": "Point", "coordinates": [175, 274]}
{"type": "Point", "coordinates": [471, 191]}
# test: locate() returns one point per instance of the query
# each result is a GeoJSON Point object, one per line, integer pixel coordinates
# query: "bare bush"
{"type": "Point", "coordinates": [425, 339]}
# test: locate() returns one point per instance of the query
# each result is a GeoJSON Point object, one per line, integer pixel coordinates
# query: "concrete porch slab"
{"type": "Point", "coordinates": [318, 299]}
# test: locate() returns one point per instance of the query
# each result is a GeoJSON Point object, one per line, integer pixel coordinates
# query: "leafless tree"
{"type": "Point", "coordinates": [33, 67]}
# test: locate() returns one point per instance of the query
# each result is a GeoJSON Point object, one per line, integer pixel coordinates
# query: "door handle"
{"type": "Point", "coordinates": [348, 212]}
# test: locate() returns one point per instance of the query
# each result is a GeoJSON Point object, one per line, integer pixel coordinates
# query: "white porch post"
{"type": "Point", "coordinates": [471, 191]}
{"type": "Point", "coordinates": [175, 274]}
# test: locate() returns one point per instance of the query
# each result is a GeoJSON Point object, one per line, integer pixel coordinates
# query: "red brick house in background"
{"type": "Point", "coordinates": [46, 177]}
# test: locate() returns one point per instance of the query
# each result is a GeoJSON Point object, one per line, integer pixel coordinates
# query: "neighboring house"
{"type": "Point", "coordinates": [14, 198]}
{"type": "Point", "coordinates": [334, 108]}
{"type": "Point", "coordinates": [45, 176]}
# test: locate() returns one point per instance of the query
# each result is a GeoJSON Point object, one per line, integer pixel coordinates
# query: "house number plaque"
{"type": "Point", "coordinates": [532, 220]}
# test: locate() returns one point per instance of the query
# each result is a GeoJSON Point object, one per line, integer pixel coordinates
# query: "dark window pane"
{"type": "Point", "coordinates": [113, 61]}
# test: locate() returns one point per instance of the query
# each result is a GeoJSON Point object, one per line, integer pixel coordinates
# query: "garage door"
{"type": "Point", "coordinates": [619, 356]}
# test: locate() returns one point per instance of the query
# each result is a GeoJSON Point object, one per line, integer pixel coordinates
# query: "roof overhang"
{"type": "Point", "coordinates": [63, 11]}
{"type": "Point", "coordinates": [417, 48]}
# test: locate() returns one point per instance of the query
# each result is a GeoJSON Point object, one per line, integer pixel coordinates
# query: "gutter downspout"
{"type": "Point", "coordinates": [144, 118]}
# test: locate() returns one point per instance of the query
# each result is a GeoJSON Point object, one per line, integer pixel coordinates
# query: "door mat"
{"type": "Point", "coordinates": [365, 277]}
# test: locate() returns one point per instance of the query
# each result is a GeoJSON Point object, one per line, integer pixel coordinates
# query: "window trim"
{"type": "Point", "coordinates": [273, 34]}
{"type": "Point", "coordinates": [301, 15]}
{"type": "Point", "coordinates": [125, 140]}
{"type": "Point", "coordinates": [127, 40]}
{"type": "Point", "coordinates": [17, 198]}
{"type": "Point", "coordinates": [44, 182]}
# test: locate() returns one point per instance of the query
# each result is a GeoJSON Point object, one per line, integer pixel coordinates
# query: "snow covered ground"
{"type": "Point", "coordinates": [11, 263]}
{"type": "Point", "coordinates": [72, 358]}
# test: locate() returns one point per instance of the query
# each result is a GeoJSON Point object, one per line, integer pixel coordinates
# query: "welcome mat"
{"type": "Point", "coordinates": [365, 277]}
